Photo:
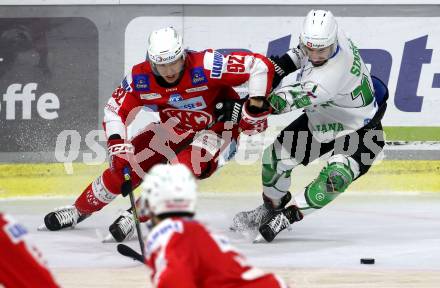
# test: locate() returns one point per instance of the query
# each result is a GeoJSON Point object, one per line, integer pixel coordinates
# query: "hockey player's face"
{"type": "Point", "coordinates": [171, 71]}
{"type": "Point", "coordinates": [318, 56]}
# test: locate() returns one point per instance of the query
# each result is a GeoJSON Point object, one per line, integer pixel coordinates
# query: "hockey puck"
{"type": "Point", "coordinates": [367, 260]}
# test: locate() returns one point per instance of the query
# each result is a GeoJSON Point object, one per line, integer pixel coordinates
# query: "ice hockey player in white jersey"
{"type": "Point", "coordinates": [343, 107]}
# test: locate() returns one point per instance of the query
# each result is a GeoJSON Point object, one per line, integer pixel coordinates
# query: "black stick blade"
{"type": "Point", "coordinates": [128, 252]}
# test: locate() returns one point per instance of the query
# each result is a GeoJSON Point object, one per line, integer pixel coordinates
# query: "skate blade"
{"type": "Point", "coordinates": [104, 239]}
{"type": "Point", "coordinates": [42, 227]}
{"type": "Point", "coordinates": [108, 239]}
{"type": "Point", "coordinates": [259, 239]}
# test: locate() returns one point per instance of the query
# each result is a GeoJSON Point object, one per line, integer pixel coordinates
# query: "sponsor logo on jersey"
{"type": "Point", "coordinates": [198, 76]}
{"type": "Point", "coordinates": [190, 119]}
{"type": "Point", "coordinates": [15, 231]}
{"type": "Point", "coordinates": [125, 84]}
{"type": "Point", "coordinates": [196, 103]}
{"type": "Point", "coordinates": [217, 65]}
{"type": "Point", "coordinates": [175, 98]}
{"type": "Point", "coordinates": [197, 89]}
{"type": "Point", "coordinates": [141, 82]}
{"type": "Point", "coordinates": [326, 127]}
{"type": "Point", "coordinates": [151, 96]}
{"type": "Point", "coordinates": [162, 232]}
{"type": "Point", "coordinates": [171, 89]}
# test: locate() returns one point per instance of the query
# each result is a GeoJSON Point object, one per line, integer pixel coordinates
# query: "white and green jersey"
{"type": "Point", "coordinates": [338, 97]}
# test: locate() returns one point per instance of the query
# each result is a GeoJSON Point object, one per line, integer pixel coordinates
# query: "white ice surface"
{"type": "Point", "coordinates": [399, 230]}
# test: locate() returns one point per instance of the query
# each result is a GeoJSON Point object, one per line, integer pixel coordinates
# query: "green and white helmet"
{"type": "Point", "coordinates": [319, 30]}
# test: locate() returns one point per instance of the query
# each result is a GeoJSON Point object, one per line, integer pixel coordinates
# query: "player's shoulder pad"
{"type": "Point", "coordinates": [139, 78]}
{"type": "Point", "coordinates": [14, 230]}
{"type": "Point", "coordinates": [194, 58]}
{"type": "Point", "coordinates": [214, 61]}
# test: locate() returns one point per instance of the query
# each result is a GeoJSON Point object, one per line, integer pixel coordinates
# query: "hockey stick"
{"type": "Point", "coordinates": [128, 252]}
{"type": "Point", "coordinates": [126, 188]}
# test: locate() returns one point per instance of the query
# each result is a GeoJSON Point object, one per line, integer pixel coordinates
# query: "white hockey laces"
{"type": "Point", "coordinates": [126, 224]}
{"type": "Point", "coordinates": [279, 223]}
{"type": "Point", "coordinates": [67, 215]}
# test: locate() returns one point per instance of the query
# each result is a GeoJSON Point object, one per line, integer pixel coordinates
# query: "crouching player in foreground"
{"type": "Point", "coordinates": [343, 107]}
{"type": "Point", "coordinates": [180, 251]}
{"type": "Point", "coordinates": [21, 264]}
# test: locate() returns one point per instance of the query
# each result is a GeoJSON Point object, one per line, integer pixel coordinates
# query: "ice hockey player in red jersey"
{"type": "Point", "coordinates": [187, 89]}
{"type": "Point", "coordinates": [181, 251]}
{"type": "Point", "coordinates": [21, 264]}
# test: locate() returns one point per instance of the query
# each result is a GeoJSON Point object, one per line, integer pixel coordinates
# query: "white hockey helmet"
{"type": "Point", "coordinates": [169, 189]}
{"type": "Point", "coordinates": [165, 46]}
{"type": "Point", "coordinates": [319, 30]}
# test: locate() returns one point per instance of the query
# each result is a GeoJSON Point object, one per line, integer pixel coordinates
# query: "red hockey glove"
{"type": "Point", "coordinates": [253, 123]}
{"type": "Point", "coordinates": [119, 151]}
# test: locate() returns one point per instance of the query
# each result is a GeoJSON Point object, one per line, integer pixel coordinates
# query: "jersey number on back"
{"type": "Point", "coordinates": [364, 91]}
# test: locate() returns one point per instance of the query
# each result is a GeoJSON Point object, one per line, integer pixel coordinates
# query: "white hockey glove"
{"type": "Point", "coordinates": [292, 97]}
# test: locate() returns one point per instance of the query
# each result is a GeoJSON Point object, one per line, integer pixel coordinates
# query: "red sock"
{"type": "Point", "coordinates": [98, 194]}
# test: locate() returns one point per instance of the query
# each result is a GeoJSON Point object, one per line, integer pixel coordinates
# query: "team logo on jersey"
{"type": "Point", "coordinates": [141, 82]}
{"type": "Point", "coordinates": [217, 65]}
{"type": "Point", "coordinates": [196, 103]}
{"type": "Point", "coordinates": [175, 98]}
{"type": "Point", "coordinates": [197, 89]}
{"type": "Point", "coordinates": [151, 96]}
{"type": "Point", "coordinates": [198, 76]}
{"type": "Point", "coordinates": [190, 119]}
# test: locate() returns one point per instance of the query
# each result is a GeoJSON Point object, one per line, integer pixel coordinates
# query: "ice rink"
{"type": "Point", "coordinates": [400, 230]}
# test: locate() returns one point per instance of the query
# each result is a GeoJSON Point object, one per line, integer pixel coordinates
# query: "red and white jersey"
{"type": "Point", "coordinates": [207, 79]}
{"type": "Point", "coordinates": [182, 253]}
{"type": "Point", "coordinates": [21, 264]}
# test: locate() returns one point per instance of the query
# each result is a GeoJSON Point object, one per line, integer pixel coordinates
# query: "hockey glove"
{"type": "Point", "coordinates": [292, 97]}
{"type": "Point", "coordinates": [228, 110]}
{"type": "Point", "coordinates": [253, 122]}
{"type": "Point", "coordinates": [119, 151]}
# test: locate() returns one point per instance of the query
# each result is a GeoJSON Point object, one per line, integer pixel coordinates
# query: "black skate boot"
{"type": "Point", "coordinates": [279, 221]}
{"type": "Point", "coordinates": [63, 217]}
{"type": "Point", "coordinates": [123, 228]}
{"type": "Point", "coordinates": [253, 219]}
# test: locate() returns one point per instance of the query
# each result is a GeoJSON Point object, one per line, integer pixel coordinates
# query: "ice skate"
{"type": "Point", "coordinates": [122, 229]}
{"type": "Point", "coordinates": [253, 219]}
{"type": "Point", "coordinates": [63, 217]}
{"type": "Point", "coordinates": [279, 221]}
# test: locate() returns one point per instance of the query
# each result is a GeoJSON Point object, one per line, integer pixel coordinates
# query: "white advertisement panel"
{"type": "Point", "coordinates": [402, 51]}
